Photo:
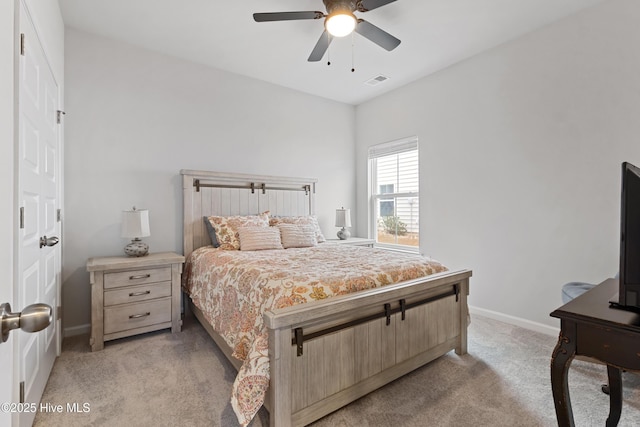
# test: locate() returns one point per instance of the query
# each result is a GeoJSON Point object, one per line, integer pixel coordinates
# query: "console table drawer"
{"type": "Point", "coordinates": [136, 277]}
{"type": "Point", "coordinates": [130, 316]}
{"type": "Point", "coordinates": [137, 293]}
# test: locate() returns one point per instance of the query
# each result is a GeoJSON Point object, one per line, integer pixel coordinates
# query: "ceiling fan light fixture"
{"type": "Point", "coordinates": [340, 23]}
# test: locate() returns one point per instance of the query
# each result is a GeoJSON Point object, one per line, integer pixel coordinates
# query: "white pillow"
{"type": "Point", "coordinates": [259, 238]}
{"type": "Point", "coordinates": [297, 235]}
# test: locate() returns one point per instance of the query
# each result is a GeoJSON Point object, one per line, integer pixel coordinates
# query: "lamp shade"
{"type": "Point", "coordinates": [135, 223]}
{"type": "Point", "coordinates": [343, 217]}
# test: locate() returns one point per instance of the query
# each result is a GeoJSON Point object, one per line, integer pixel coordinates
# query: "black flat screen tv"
{"type": "Point", "coordinates": [629, 292]}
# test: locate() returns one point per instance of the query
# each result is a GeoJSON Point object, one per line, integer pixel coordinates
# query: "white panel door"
{"type": "Point", "coordinates": [7, 211]}
{"type": "Point", "coordinates": [38, 193]}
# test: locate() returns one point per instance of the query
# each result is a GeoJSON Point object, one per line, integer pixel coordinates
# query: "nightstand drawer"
{"type": "Point", "coordinates": [131, 296]}
{"type": "Point", "coordinates": [136, 277]}
{"type": "Point", "coordinates": [137, 293]}
{"type": "Point", "coordinates": [130, 316]}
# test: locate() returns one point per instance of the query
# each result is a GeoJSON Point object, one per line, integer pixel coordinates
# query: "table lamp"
{"type": "Point", "coordinates": [135, 224]}
{"type": "Point", "coordinates": [343, 219]}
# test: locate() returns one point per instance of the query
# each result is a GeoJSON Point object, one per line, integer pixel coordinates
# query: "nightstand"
{"type": "Point", "coordinates": [356, 241]}
{"type": "Point", "coordinates": [131, 295]}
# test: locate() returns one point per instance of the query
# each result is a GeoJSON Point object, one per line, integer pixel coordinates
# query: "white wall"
{"type": "Point", "coordinates": [135, 118]}
{"type": "Point", "coordinates": [520, 151]}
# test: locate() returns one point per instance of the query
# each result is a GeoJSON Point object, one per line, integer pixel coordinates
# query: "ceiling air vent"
{"type": "Point", "coordinates": [377, 80]}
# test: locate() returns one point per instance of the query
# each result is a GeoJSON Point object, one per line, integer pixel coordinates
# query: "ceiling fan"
{"type": "Point", "coordinates": [339, 22]}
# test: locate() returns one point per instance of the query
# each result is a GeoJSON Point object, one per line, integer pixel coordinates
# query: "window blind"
{"type": "Point", "coordinates": [393, 147]}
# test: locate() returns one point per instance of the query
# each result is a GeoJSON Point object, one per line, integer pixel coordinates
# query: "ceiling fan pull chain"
{"type": "Point", "coordinates": [328, 48]}
{"type": "Point", "coordinates": [353, 52]}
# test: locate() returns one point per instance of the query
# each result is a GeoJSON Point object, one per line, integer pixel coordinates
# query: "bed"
{"type": "Point", "coordinates": [337, 346]}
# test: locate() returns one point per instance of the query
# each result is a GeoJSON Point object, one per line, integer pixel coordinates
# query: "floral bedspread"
{"type": "Point", "coordinates": [234, 288]}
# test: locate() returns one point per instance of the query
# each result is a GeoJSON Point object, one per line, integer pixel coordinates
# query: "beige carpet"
{"type": "Point", "coordinates": [164, 379]}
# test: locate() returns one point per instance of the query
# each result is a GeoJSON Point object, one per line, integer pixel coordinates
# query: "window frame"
{"type": "Point", "coordinates": [375, 197]}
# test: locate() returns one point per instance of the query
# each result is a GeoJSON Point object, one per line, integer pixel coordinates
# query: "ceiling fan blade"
{"type": "Point", "coordinates": [376, 35]}
{"type": "Point", "coordinates": [286, 16]}
{"type": "Point", "coordinates": [321, 47]}
{"type": "Point", "coordinates": [367, 5]}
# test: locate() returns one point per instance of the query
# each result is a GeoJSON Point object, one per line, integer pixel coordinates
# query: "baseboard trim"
{"type": "Point", "coordinates": [517, 321]}
{"type": "Point", "coordinates": [76, 330]}
{"type": "Point", "coordinates": [512, 320]}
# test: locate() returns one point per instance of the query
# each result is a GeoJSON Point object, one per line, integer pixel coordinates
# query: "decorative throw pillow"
{"type": "Point", "coordinates": [211, 231]}
{"type": "Point", "coordinates": [226, 228]}
{"type": "Point", "coordinates": [259, 238]}
{"type": "Point", "coordinates": [300, 220]}
{"type": "Point", "coordinates": [297, 235]}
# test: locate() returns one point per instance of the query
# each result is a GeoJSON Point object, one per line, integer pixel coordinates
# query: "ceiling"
{"type": "Point", "coordinates": [222, 34]}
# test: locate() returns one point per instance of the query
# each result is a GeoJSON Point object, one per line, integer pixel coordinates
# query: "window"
{"type": "Point", "coordinates": [386, 188]}
{"type": "Point", "coordinates": [393, 209]}
{"type": "Point", "coordinates": [386, 208]}
{"type": "Point", "coordinates": [386, 205]}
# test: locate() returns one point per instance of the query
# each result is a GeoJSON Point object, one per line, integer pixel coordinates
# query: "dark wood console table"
{"type": "Point", "coordinates": [590, 327]}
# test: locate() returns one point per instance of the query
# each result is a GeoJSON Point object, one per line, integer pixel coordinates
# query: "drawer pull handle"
{"type": "Point", "coordinates": [138, 316]}
{"type": "Point", "coordinates": [137, 294]}
{"type": "Point", "coordinates": [141, 276]}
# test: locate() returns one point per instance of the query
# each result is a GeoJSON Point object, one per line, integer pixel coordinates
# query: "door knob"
{"type": "Point", "coordinates": [48, 241]}
{"type": "Point", "coordinates": [33, 318]}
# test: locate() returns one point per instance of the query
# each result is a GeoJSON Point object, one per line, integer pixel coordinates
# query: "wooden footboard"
{"type": "Point", "coordinates": [327, 354]}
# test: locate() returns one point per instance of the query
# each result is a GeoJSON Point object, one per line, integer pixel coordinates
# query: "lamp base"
{"type": "Point", "coordinates": [343, 234]}
{"type": "Point", "coordinates": [136, 248]}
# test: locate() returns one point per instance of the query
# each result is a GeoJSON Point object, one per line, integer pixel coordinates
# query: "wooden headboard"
{"type": "Point", "coordinates": [216, 193]}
